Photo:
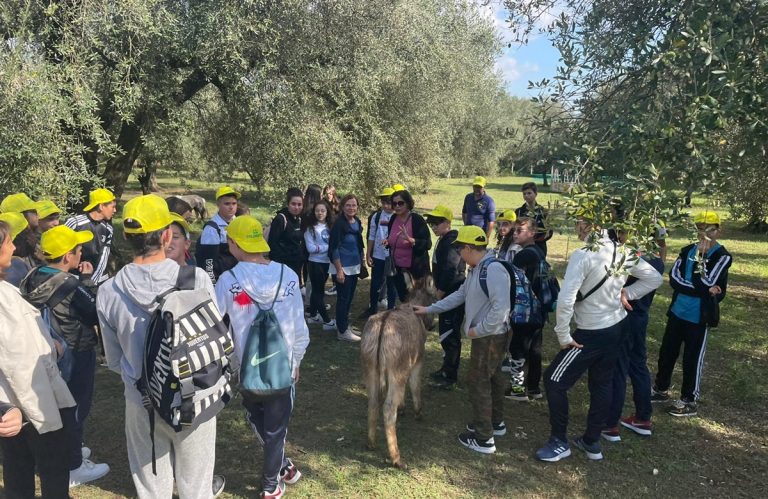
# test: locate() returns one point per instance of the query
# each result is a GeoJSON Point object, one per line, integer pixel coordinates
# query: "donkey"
{"type": "Point", "coordinates": [392, 353]}
{"type": "Point", "coordinates": [198, 205]}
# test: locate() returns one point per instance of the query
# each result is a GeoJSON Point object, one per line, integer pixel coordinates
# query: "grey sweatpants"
{"type": "Point", "coordinates": [188, 456]}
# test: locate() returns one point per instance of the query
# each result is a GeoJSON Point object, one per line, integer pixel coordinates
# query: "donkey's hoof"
{"type": "Point", "coordinates": [370, 445]}
{"type": "Point", "coordinates": [400, 465]}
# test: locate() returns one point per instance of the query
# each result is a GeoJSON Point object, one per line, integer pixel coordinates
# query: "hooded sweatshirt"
{"type": "Point", "coordinates": [236, 291]}
{"type": "Point", "coordinates": [489, 314]}
{"type": "Point", "coordinates": [286, 241]}
{"type": "Point", "coordinates": [74, 316]}
{"type": "Point", "coordinates": [125, 304]}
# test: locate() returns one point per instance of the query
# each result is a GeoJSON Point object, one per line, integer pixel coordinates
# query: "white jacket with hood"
{"type": "Point", "coordinates": [125, 304]}
{"type": "Point", "coordinates": [257, 281]}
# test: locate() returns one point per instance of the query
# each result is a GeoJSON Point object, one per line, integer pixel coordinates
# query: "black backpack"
{"type": "Point", "coordinates": [224, 260]}
{"type": "Point", "coordinates": [189, 361]}
{"type": "Point", "coordinates": [549, 286]}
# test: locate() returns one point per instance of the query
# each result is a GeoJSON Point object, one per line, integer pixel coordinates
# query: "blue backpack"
{"type": "Point", "coordinates": [525, 306]}
{"type": "Point", "coordinates": [265, 371]}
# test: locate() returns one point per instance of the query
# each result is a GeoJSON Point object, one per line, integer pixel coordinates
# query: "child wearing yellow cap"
{"type": "Point", "coordinates": [97, 218]}
{"type": "Point", "coordinates": [212, 253]}
{"type": "Point", "coordinates": [699, 278]}
{"type": "Point", "coordinates": [71, 306]}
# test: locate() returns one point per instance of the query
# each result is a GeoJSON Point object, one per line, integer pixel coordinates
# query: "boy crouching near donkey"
{"type": "Point", "coordinates": [255, 287]}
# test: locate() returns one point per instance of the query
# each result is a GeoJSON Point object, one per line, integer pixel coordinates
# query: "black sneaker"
{"type": "Point", "coordinates": [535, 395]}
{"type": "Point", "coordinates": [469, 440]}
{"type": "Point", "coordinates": [437, 375]}
{"type": "Point", "coordinates": [659, 396]}
{"type": "Point", "coordinates": [218, 485]}
{"type": "Point", "coordinates": [499, 429]}
{"type": "Point", "coordinates": [682, 408]}
{"type": "Point", "coordinates": [592, 451]}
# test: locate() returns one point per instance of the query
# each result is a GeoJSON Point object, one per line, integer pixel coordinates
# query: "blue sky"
{"type": "Point", "coordinates": [520, 63]}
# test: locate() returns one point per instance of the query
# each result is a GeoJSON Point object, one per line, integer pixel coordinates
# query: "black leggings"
{"type": "Point", "coordinates": [318, 274]}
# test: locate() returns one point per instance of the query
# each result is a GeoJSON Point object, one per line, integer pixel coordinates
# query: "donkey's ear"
{"type": "Point", "coordinates": [409, 282]}
{"type": "Point", "coordinates": [429, 282]}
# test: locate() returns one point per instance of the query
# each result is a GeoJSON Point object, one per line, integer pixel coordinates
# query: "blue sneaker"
{"type": "Point", "coordinates": [553, 451]}
{"type": "Point", "coordinates": [592, 451]}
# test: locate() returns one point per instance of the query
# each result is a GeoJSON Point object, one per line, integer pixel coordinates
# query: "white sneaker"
{"type": "Point", "coordinates": [347, 335]}
{"type": "Point", "coordinates": [87, 472]}
{"type": "Point", "coordinates": [330, 325]}
{"type": "Point", "coordinates": [383, 304]}
{"type": "Point", "coordinates": [330, 291]}
{"type": "Point", "coordinates": [315, 319]}
{"type": "Point", "coordinates": [86, 452]}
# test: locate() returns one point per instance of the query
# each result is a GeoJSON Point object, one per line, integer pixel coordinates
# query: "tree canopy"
{"type": "Point", "coordinates": [355, 92]}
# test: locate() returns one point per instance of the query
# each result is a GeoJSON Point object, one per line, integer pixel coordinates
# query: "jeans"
{"type": "Point", "coordinates": [81, 387]}
{"type": "Point", "coordinates": [345, 292]}
{"type": "Point", "coordinates": [632, 362]}
{"type": "Point", "coordinates": [29, 451]}
{"type": "Point", "coordinates": [486, 382]}
{"type": "Point", "coordinates": [318, 274]}
{"type": "Point", "coordinates": [378, 280]}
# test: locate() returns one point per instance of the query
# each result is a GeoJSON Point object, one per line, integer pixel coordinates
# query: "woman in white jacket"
{"type": "Point", "coordinates": [37, 398]}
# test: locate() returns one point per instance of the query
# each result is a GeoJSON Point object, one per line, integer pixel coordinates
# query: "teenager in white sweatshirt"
{"type": "Point", "coordinates": [256, 282]}
{"type": "Point", "coordinates": [596, 299]}
{"type": "Point", "coordinates": [316, 237]}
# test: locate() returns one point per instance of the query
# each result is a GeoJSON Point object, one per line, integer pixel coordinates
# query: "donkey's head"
{"type": "Point", "coordinates": [422, 292]}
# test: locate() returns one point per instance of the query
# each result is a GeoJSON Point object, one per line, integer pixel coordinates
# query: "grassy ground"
{"type": "Point", "coordinates": [724, 452]}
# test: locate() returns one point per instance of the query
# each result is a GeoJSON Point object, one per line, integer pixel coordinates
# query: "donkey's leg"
{"type": "Point", "coordinates": [415, 383]}
{"type": "Point", "coordinates": [395, 395]}
{"type": "Point", "coordinates": [374, 403]}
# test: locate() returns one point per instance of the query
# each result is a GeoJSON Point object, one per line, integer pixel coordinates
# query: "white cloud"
{"type": "Point", "coordinates": [509, 68]}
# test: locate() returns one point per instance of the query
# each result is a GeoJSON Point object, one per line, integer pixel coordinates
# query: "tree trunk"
{"type": "Point", "coordinates": [148, 177]}
{"type": "Point", "coordinates": [119, 168]}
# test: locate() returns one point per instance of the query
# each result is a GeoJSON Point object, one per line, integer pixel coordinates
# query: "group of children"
{"type": "Point", "coordinates": [61, 271]}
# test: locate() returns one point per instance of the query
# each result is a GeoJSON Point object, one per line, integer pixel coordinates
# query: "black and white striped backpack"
{"type": "Point", "coordinates": [189, 359]}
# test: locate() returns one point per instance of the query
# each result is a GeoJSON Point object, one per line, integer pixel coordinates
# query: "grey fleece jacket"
{"type": "Point", "coordinates": [125, 304]}
{"type": "Point", "coordinates": [489, 315]}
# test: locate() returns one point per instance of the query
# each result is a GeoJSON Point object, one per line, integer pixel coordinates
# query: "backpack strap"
{"type": "Point", "coordinates": [277, 293]}
{"type": "Point", "coordinates": [484, 274]}
{"type": "Point", "coordinates": [582, 297]}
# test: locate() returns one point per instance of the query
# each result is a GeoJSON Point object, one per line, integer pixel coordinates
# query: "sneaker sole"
{"type": "Point", "coordinates": [639, 431]}
{"type": "Point", "coordinates": [538, 396]}
{"type": "Point", "coordinates": [611, 438]}
{"type": "Point", "coordinates": [592, 456]}
{"type": "Point", "coordinates": [349, 340]}
{"type": "Point", "coordinates": [562, 455]}
{"type": "Point", "coordinates": [481, 450]}
{"type": "Point", "coordinates": [686, 415]}
{"type": "Point", "coordinates": [294, 479]}
{"type": "Point", "coordinates": [93, 479]}
{"type": "Point", "coordinates": [519, 398]}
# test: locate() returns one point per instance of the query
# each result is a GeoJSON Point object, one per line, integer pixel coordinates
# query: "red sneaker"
{"type": "Point", "coordinates": [640, 427]}
{"type": "Point", "coordinates": [275, 494]}
{"type": "Point", "coordinates": [290, 474]}
{"type": "Point", "coordinates": [611, 434]}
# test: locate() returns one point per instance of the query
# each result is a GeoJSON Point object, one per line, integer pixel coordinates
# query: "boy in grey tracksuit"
{"type": "Point", "coordinates": [486, 324]}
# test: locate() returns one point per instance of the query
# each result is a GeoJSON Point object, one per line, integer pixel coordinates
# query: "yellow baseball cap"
{"type": "Point", "coordinates": [506, 216]}
{"type": "Point", "coordinates": [144, 214]}
{"type": "Point", "coordinates": [479, 181]}
{"type": "Point", "coordinates": [441, 211]}
{"type": "Point", "coordinates": [61, 239]}
{"type": "Point", "coordinates": [46, 208]}
{"type": "Point", "coordinates": [16, 221]}
{"type": "Point", "coordinates": [398, 188]}
{"type": "Point", "coordinates": [246, 231]}
{"type": "Point", "coordinates": [18, 202]}
{"type": "Point", "coordinates": [179, 220]}
{"type": "Point", "coordinates": [707, 217]}
{"type": "Point", "coordinates": [97, 197]}
{"type": "Point", "coordinates": [386, 192]}
{"type": "Point", "coordinates": [227, 191]}
{"type": "Point", "coordinates": [471, 234]}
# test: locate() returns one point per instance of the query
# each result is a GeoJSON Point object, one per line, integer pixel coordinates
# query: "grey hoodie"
{"type": "Point", "coordinates": [487, 314]}
{"type": "Point", "coordinates": [125, 304]}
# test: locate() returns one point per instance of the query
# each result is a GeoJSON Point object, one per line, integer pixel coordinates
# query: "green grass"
{"type": "Point", "coordinates": [722, 453]}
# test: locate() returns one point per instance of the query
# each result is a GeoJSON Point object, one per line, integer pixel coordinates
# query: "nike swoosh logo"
{"type": "Point", "coordinates": [255, 361]}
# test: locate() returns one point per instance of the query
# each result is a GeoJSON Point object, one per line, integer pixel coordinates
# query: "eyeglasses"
{"type": "Point", "coordinates": [398, 203]}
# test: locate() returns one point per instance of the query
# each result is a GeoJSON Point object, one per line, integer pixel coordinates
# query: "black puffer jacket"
{"type": "Point", "coordinates": [72, 302]}
{"type": "Point", "coordinates": [286, 240]}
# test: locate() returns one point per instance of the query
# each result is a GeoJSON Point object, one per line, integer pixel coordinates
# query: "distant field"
{"type": "Point", "coordinates": [722, 453]}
